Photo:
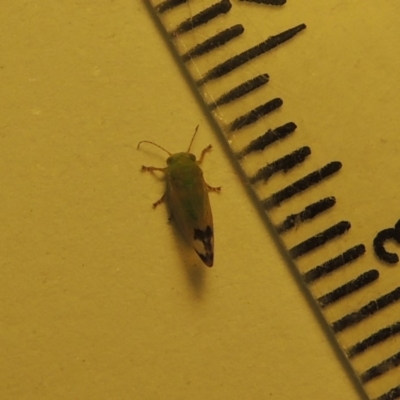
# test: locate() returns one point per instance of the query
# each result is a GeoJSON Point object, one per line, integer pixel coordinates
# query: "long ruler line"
{"type": "Point", "coordinates": [225, 36]}
{"type": "Point", "coordinates": [232, 63]}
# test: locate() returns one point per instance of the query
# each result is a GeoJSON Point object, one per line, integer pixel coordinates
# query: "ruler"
{"type": "Point", "coordinates": [298, 176]}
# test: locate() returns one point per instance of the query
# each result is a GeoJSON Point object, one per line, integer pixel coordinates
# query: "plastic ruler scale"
{"type": "Point", "coordinates": [347, 267]}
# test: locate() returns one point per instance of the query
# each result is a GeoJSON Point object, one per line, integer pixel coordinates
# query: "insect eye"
{"type": "Point", "coordinates": [192, 157]}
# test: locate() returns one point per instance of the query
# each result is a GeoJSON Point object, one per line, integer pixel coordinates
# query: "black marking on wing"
{"type": "Point", "coordinates": [205, 236]}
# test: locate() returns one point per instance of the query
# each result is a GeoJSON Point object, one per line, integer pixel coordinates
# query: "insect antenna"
{"type": "Point", "coordinates": [154, 144]}
{"type": "Point", "coordinates": [194, 135]}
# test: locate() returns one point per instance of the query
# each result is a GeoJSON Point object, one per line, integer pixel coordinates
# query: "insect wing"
{"type": "Point", "coordinates": [189, 204]}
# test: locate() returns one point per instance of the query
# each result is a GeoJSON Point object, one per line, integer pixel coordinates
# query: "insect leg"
{"type": "Point", "coordinates": [203, 153]}
{"type": "Point", "coordinates": [158, 202]}
{"type": "Point", "coordinates": [151, 169]}
{"type": "Point", "coordinates": [213, 189]}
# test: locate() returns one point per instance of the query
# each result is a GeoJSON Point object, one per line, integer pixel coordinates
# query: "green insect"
{"type": "Point", "coordinates": [187, 198]}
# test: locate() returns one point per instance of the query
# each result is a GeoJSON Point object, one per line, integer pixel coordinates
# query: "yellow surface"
{"type": "Point", "coordinates": [100, 299]}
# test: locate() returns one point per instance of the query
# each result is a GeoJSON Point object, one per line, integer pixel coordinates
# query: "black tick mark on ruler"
{"type": "Point", "coordinates": [284, 164]}
{"type": "Point", "coordinates": [202, 17]}
{"type": "Point", "coordinates": [169, 5]}
{"type": "Point", "coordinates": [319, 239]}
{"type": "Point", "coordinates": [267, 2]}
{"type": "Point", "coordinates": [381, 368]}
{"type": "Point", "coordinates": [366, 311]}
{"type": "Point", "coordinates": [392, 394]}
{"type": "Point", "coordinates": [240, 90]}
{"type": "Point", "coordinates": [374, 339]}
{"type": "Point", "coordinates": [214, 42]}
{"type": "Point", "coordinates": [308, 213]}
{"type": "Point", "coordinates": [341, 260]}
{"type": "Point", "coordinates": [350, 287]}
{"type": "Point", "coordinates": [271, 136]}
{"type": "Point", "coordinates": [302, 184]}
{"type": "Point", "coordinates": [255, 114]}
